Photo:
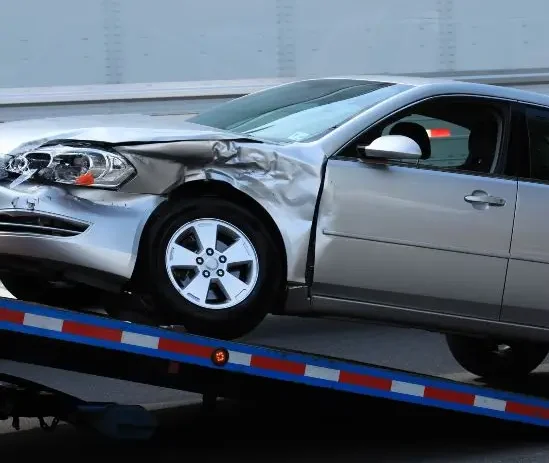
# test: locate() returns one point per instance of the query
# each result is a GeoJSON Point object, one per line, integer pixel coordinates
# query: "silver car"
{"type": "Point", "coordinates": [407, 201]}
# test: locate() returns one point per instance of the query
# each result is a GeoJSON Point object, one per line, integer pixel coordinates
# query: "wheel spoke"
{"type": "Point", "coordinates": [237, 253]}
{"type": "Point", "coordinates": [182, 257]}
{"type": "Point", "coordinates": [232, 286]}
{"type": "Point", "coordinates": [207, 235]}
{"type": "Point", "coordinates": [198, 288]}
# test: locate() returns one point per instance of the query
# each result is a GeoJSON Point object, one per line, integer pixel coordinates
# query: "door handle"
{"type": "Point", "coordinates": [482, 198]}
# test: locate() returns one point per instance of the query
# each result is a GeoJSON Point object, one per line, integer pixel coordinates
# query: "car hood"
{"type": "Point", "coordinates": [113, 129]}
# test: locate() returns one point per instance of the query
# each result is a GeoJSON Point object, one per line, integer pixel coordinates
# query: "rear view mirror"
{"type": "Point", "coordinates": [391, 147]}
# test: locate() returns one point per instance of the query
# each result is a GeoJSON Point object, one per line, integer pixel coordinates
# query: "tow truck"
{"type": "Point", "coordinates": [96, 344]}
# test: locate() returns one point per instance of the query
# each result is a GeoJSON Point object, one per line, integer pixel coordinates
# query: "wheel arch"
{"type": "Point", "coordinates": [218, 189]}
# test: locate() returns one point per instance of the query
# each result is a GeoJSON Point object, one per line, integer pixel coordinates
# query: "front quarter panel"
{"type": "Point", "coordinates": [286, 186]}
{"type": "Point", "coordinates": [283, 179]}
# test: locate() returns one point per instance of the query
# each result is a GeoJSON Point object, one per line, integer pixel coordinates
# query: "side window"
{"type": "Point", "coordinates": [449, 142]}
{"type": "Point", "coordinates": [453, 133]}
{"type": "Point", "coordinates": [538, 134]}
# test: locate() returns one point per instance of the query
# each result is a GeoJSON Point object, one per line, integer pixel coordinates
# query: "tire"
{"type": "Point", "coordinates": [483, 358]}
{"type": "Point", "coordinates": [170, 289]}
{"type": "Point", "coordinates": [34, 289]}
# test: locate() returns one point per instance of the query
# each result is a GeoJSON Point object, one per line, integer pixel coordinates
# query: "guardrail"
{"type": "Point", "coordinates": [166, 98]}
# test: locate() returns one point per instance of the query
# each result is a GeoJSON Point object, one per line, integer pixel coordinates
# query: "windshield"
{"type": "Point", "coordinates": [300, 111]}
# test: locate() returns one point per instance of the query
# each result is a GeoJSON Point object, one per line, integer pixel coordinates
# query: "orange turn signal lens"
{"type": "Point", "coordinates": [85, 179]}
{"type": "Point", "coordinates": [220, 357]}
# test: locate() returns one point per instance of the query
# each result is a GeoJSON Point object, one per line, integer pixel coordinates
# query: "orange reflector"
{"type": "Point", "coordinates": [439, 133]}
{"type": "Point", "coordinates": [85, 179]}
{"type": "Point", "coordinates": [220, 356]}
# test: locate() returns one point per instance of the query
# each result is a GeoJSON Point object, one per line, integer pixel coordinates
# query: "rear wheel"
{"type": "Point", "coordinates": [56, 294]}
{"type": "Point", "coordinates": [213, 267]}
{"type": "Point", "coordinates": [494, 360]}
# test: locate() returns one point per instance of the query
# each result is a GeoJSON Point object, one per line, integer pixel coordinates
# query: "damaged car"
{"type": "Point", "coordinates": [403, 200]}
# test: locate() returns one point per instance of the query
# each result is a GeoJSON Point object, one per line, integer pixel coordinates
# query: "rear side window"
{"type": "Point", "coordinates": [538, 134]}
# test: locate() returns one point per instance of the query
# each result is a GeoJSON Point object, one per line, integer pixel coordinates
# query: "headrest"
{"type": "Point", "coordinates": [417, 133]}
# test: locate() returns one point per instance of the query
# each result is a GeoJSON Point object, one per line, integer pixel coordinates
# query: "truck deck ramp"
{"type": "Point", "coordinates": [102, 346]}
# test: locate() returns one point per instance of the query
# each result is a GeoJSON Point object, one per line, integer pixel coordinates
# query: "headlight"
{"type": "Point", "coordinates": [73, 166]}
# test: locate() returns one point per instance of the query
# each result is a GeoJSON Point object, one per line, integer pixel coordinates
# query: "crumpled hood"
{"type": "Point", "coordinates": [116, 129]}
{"type": "Point", "coordinates": [166, 152]}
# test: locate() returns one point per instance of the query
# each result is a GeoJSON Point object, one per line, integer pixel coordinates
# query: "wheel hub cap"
{"type": "Point", "coordinates": [211, 263]}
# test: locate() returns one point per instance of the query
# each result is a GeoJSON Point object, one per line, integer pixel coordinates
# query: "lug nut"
{"type": "Point", "coordinates": [209, 251]}
{"type": "Point", "coordinates": [222, 259]}
{"type": "Point", "coordinates": [199, 260]}
{"type": "Point", "coordinates": [206, 274]}
{"type": "Point", "coordinates": [220, 273]}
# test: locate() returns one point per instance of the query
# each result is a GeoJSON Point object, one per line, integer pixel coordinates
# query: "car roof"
{"type": "Point", "coordinates": [450, 86]}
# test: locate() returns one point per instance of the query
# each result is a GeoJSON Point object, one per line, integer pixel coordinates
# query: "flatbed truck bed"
{"type": "Point", "coordinates": [102, 346]}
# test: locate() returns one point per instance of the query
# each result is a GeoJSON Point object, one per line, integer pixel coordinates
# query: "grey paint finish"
{"type": "Point", "coordinates": [395, 243]}
{"type": "Point", "coordinates": [126, 214]}
{"type": "Point", "coordinates": [284, 182]}
{"type": "Point", "coordinates": [526, 296]}
{"type": "Point", "coordinates": [407, 236]}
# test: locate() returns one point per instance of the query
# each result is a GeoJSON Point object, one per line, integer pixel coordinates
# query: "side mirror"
{"type": "Point", "coordinates": [391, 147]}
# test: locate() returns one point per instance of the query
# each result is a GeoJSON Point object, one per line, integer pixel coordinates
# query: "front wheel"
{"type": "Point", "coordinates": [213, 267]}
{"type": "Point", "coordinates": [498, 361]}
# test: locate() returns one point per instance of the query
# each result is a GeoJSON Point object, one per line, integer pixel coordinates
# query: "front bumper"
{"type": "Point", "coordinates": [91, 229]}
